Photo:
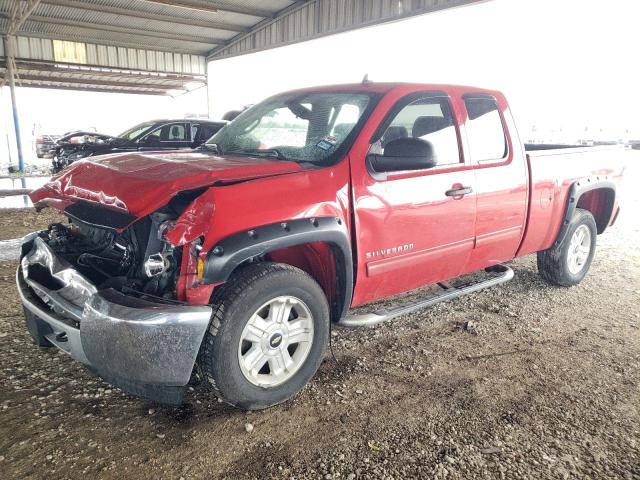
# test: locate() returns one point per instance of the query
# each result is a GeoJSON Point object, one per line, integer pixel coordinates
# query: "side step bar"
{"type": "Point", "coordinates": [498, 274]}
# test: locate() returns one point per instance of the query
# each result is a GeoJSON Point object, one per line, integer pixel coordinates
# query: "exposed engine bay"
{"type": "Point", "coordinates": [136, 261]}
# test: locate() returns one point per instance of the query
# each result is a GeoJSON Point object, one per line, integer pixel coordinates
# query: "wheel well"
{"type": "Point", "coordinates": [319, 260]}
{"type": "Point", "coordinates": [600, 203]}
{"type": "Point", "coordinates": [319, 246]}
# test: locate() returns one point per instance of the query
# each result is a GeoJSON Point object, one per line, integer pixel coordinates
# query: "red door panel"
{"type": "Point", "coordinates": [411, 234]}
{"type": "Point", "coordinates": [413, 228]}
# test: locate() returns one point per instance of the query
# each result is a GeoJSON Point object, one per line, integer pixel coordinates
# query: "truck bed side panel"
{"type": "Point", "coordinates": [552, 174]}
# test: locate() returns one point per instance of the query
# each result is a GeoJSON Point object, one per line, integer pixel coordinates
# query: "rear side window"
{"type": "Point", "coordinates": [430, 120]}
{"type": "Point", "coordinates": [485, 132]}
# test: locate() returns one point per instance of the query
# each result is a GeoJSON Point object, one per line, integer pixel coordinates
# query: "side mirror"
{"type": "Point", "coordinates": [403, 154]}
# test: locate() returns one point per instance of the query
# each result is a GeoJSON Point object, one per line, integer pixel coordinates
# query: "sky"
{"type": "Point", "coordinates": [563, 64]}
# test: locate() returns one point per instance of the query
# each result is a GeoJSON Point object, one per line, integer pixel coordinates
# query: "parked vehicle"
{"type": "Point", "coordinates": [149, 136]}
{"type": "Point", "coordinates": [46, 145]}
{"type": "Point", "coordinates": [236, 258]}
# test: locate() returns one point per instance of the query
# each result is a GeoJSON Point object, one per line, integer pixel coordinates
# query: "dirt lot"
{"type": "Point", "coordinates": [545, 385]}
{"type": "Point", "coordinates": [16, 222]}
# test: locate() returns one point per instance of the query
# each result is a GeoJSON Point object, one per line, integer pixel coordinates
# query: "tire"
{"type": "Point", "coordinates": [262, 290]}
{"type": "Point", "coordinates": [560, 265]}
{"type": "Point", "coordinates": [36, 329]}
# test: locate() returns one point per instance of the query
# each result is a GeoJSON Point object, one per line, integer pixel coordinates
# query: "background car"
{"type": "Point", "coordinates": [151, 136]}
{"type": "Point", "coordinates": [45, 145]}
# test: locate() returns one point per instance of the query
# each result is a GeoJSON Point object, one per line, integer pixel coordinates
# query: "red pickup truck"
{"type": "Point", "coordinates": [236, 258]}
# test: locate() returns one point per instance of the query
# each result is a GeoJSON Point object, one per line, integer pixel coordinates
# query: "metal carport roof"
{"type": "Point", "coordinates": [139, 46]}
{"type": "Point", "coordinates": [161, 47]}
{"type": "Point", "coordinates": [170, 37]}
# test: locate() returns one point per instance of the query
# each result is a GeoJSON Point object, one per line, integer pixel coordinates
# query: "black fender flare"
{"type": "Point", "coordinates": [235, 249]}
{"type": "Point", "coordinates": [577, 189]}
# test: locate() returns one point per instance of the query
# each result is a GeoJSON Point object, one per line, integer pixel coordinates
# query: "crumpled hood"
{"type": "Point", "coordinates": [140, 183]}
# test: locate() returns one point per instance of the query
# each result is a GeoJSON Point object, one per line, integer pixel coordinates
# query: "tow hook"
{"type": "Point", "coordinates": [62, 337]}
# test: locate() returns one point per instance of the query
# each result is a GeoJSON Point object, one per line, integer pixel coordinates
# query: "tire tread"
{"type": "Point", "coordinates": [551, 262]}
{"type": "Point", "coordinates": [239, 283]}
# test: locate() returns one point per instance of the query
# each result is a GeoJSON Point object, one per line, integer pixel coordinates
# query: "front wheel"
{"type": "Point", "coordinates": [267, 336]}
{"type": "Point", "coordinates": [568, 263]}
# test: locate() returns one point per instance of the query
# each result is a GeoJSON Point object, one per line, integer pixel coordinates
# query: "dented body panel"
{"type": "Point", "coordinates": [140, 183]}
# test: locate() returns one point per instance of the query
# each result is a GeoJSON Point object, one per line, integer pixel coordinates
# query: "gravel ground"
{"type": "Point", "coordinates": [17, 222]}
{"type": "Point", "coordinates": [521, 381]}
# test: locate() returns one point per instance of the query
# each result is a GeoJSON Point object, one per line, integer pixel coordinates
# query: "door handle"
{"type": "Point", "coordinates": [458, 192]}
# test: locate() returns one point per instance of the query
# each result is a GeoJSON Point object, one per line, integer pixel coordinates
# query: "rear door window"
{"type": "Point", "coordinates": [485, 132]}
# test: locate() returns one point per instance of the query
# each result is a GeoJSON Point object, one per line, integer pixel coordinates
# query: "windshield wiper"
{"type": "Point", "coordinates": [270, 153]}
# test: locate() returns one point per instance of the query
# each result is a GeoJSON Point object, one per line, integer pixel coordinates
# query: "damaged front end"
{"type": "Point", "coordinates": [78, 145]}
{"type": "Point", "coordinates": [105, 290]}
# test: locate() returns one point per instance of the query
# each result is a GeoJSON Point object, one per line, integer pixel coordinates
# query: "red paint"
{"type": "Point", "coordinates": [407, 232]}
{"type": "Point", "coordinates": [140, 183]}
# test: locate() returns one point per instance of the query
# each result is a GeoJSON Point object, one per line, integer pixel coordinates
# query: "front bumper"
{"type": "Point", "coordinates": [145, 348]}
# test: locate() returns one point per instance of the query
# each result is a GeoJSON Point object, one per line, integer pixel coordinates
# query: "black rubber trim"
{"type": "Point", "coordinates": [98, 216]}
{"type": "Point", "coordinates": [576, 190]}
{"type": "Point", "coordinates": [228, 254]}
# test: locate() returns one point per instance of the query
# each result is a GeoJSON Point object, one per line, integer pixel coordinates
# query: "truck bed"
{"type": "Point", "coordinates": [552, 171]}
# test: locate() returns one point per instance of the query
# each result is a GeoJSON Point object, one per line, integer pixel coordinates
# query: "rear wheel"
{"type": "Point", "coordinates": [568, 263]}
{"type": "Point", "coordinates": [267, 336]}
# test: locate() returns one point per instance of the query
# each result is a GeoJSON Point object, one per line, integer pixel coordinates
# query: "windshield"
{"type": "Point", "coordinates": [307, 127]}
{"type": "Point", "coordinates": [133, 132]}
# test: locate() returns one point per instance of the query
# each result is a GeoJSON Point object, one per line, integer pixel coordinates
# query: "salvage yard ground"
{"type": "Point", "coordinates": [520, 381]}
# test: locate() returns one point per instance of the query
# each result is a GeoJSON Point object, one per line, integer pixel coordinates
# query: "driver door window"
{"type": "Point", "coordinates": [428, 119]}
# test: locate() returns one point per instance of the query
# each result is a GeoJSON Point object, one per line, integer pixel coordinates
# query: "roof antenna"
{"type": "Point", "coordinates": [365, 79]}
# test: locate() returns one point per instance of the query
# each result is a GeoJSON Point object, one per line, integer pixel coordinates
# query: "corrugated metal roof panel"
{"type": "Point", "coordinates": [49, 74]}
{"type": "Point", "coordinates": [161, 36]}
{"type": "Point", "coordinates": [219, 16]}
{"type": "Point", "coordinates": [317, 18]}
{"type": "Point", "coordinates": [30, 48]}
{"type": "Point", "coordinates": [145, 23]}
{"type": "Point", "coordinates": [88, 35]}
{"type": "Point", "coordinates": [105, 18]}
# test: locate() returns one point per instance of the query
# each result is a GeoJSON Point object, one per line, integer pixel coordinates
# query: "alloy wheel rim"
{"type": "Point", "coordinates": [276, 341]}
{"type": "Point", "coordinates": [579, 249]}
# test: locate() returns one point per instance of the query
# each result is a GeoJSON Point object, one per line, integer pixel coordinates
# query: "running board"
{"type": "Point", "coordinates": [499, 274]}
